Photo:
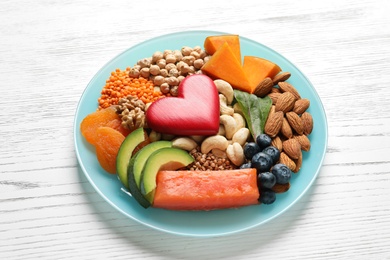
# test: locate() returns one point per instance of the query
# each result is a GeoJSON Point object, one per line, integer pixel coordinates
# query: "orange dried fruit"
{"type": "Point", "coordinates": [117, 125]}
{"type": "Point", "coordinates": [104, 117]}
{"type": "Point", "coordinates": [107, 144]}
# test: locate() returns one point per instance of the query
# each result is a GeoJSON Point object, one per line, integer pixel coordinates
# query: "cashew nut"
{"type": "Point", "coordinates": [154, 136]}
{"type": "Point", "coordinates": [184, 143]}
{"type": "Point", "coordinates": [230, 125]}
{"type": "Point", "coordinates": [197, 138]}
{"type": "Point", "coordinates": [223, 108]}
{"type": "Point", "coordinates": [219, 153]}
{"type": "Point", "coordinates": [216, 141]}
{"type": "Point", "coordinates": [221, 130]}
{"type": "Point", "coordinates": [237, 109]}
{"type": "Point", "coordinates": [240, 120]}
{"type": "Point", "coordinates": [241, 136]}
{"type": "Point", "coordinates": [226, 89]}
{"type": "Point", "coordinates": [235, 153]}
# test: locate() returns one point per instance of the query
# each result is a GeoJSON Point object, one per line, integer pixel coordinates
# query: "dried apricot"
{"type": "Point", "coordinates": [117, 125]}
{"type": "Point", "coordinates": [104, 117]}
{"type": "Point", "coordinates": [107, 144]}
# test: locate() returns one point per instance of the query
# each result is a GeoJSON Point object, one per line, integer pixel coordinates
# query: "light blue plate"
{"type": "Point", "coordinates": [199, 224]}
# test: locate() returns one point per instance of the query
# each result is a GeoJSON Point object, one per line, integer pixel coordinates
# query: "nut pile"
{"type": "Point", "coordinates": [131, 110]}
{"type": "Point", "coordinates": [167, 69]}
{"type": "Point", "coordinates": [288, 123]}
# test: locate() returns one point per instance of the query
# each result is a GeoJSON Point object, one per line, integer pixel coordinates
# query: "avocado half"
{"type": "Point", "coordinates": [125, 153]}
{"type": "Point", "coordinates": [136, 165]}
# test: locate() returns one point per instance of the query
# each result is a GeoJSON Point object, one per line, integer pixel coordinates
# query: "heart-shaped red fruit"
{"type": "Point", "coordinates": [195, 111]}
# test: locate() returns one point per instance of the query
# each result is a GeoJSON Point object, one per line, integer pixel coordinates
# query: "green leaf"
{"type": "Point", "coordinates": [255, 110]}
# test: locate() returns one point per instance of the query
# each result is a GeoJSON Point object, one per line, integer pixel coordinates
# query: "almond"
{"type": "Point", "coordinates": [275, 90]}
{"type": "Point", "coordinates": [303, 141]}
{"type": "Point", "coordinates": [274, 96]}
{"type": "Point", "coordinates": [274, 123]}
{"type": "Point", "coordinates": [286, 129]}
{"type": "Point", "coordinates": [298, 164]}
{"type": "Point", "coordinates": [301, 105]}
{"type": "Point", "coordinates": [307, 122]}
{"type": "Point", "coordinates": [292, 148]}
{"type": "Point", "coordinates": [287, 87]}
{"type": "Point", "coordinates": [277, 142]}
{"type": "Point", "coordinates": [280, 77]}
{"type": "Point", "coordinates": [271, 110]}
{"type": "Point", "coordinates": [285, 102]}
{"type": "Point", "coordinates": [286, 160]}
{"type": "Point", "coordinates": [280, 188]}
{"type": "Point", "coordinates": [264, 87]}
{"type": "Point", "coordinates": [295, 122]}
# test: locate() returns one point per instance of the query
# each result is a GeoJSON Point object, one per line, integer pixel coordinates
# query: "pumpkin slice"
{"type": "Point", "coordinates": [206, 190]}
{"type": "Point", "coordinates": [224, 65]}
{"type": "Point", "coordinates": [256, 69]}
{"type": "Point", "coordinates": [213, 43]}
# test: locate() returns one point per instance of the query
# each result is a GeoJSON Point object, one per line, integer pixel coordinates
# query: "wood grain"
{"type": "Point", "coordinates": [50, 50]}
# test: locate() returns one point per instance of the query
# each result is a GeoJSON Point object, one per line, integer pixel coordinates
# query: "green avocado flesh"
{"type": "Point", "coordinates": [125, 152]}
{"type": "Point", "coordinates": [136, 165]}
{"type": "Point", "coordinates": [162, 159]}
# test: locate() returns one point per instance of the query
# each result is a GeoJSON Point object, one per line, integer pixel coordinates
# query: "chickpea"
{"type": "Point", "coordinates": [189, 60]}
{"type": "Point", "coordinates": [170, 58]}
{"type": "Point", "coordinates": [172, 81]}
{"type": "Point", "coordinates": [158, 55]}
{"type": "Point", "coordinates": [166, 52]}
{"type": "Point", "coordinates": [178, 55]}
{"type": "Point", "coordinates": [185, 69]}
{"type": "Point", "coordinates": [180, 65]}
{"type": "Point", "coordinates": [144, 73]}
{"type": "Point", "coordinates": [195, 54]}
{"type": "Point", "coordinates": [161, 63]}
{"type": "Point", "coordinates": [158, 80]}
{"type": "Point", "coordinates": [180, 78]}
{"type": "Point", "coordinates": [174, 91]}
{"type": "Point", "coordinates": [134, 73]}
{"type": "Point", "coordinates": [164, 72]}
{"type": "Point", "coordinates": [170, 66]}
{"type": "Point", "coordinates": [154, 70]}
{"type": "Point", "coordinates": [191, 71]}
{"type": "Point", "coordinates": [164, 88]}
{"type": "Point", "coordinates": [206, 59]}
{"type": "Point", "coordinates": [186, 50]}
{"type": "Point", "coordinates": [145, 62]}
{"type": "Point", "coordinates": [174, 72]}
{"type": "Point", "coordinates": [202, 54]}
{"type": "Point", "coordinates": [198, 63]}
{"type": "Point", "coordinates": [198, 49]}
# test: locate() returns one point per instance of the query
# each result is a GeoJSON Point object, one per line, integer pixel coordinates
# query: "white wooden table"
{"type": "Point", "coordinates": [49, 50]}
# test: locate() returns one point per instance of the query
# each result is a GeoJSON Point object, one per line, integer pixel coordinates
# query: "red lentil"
{"type": "Point", "coordinates": [119, 85]}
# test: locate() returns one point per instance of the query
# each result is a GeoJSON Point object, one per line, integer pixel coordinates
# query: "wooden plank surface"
{"type": "Point", "coordinates": [51, 49]}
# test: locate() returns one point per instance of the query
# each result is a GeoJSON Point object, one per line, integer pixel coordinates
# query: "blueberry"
{"type": "Point", "coordinates": [263, 140]}
{"type": "Point", "coordinates": [266, 180]}
{"type": "Point", "coordinates": [246, 165]}
{"type": "Point", "coordinates": [262, 162]}
{"type": "Point", "coordinates": [267, 196]}
{"type": "Point", "coordinates": [282, 173]}
{"type": "Point", "coordinates": [273, 152]}
{"type": "Point", "coordinates": [251, 149]}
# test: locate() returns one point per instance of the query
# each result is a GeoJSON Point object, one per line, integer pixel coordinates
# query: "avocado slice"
{"type": "Point", "coordinates": [162, 159]}
{"type": "Point", "coordinates": [136, 165]}
{"type": "Point", "coordinates": [125, 152]}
